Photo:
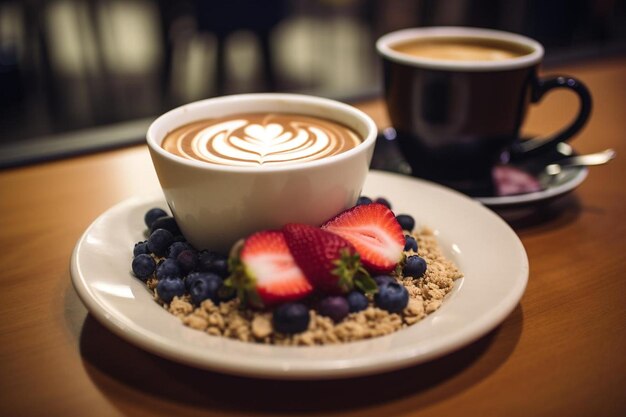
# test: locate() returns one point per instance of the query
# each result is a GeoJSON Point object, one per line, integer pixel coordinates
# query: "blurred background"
{"type": "Point", "coordinates": [82, 75]}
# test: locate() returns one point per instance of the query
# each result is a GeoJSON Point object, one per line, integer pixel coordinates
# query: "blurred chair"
{"type": "Point", "coordinates": [224, 18]}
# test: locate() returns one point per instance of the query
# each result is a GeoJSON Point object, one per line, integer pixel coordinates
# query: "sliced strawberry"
{"type": "Point", "coordinates": [375, 233]}
{"type": "Point", "coordinates": [265, 273]}
{"type": "Point", "coordinates": [329, 262]}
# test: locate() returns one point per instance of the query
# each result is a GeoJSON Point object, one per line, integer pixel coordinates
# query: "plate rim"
{"type": "Point", "coordinates": [323, 370]}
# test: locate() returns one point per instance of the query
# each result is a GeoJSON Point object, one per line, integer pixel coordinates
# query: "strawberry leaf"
{"type": "Point", "coordinates": [242, 282]}
{"type": "Point", "coordinates": [254, 299]}
{"type": "Point", "coordinates": [366, 284]}
{"type": "Point", "coordinates": [346, 267]}
{"type": "Point", "coordinates": [226, 290]}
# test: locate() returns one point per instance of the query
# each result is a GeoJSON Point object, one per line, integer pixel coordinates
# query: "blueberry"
{"type": "Point", "coordinates": [169, 287]}
{"type": "Point", "coordinates": [384, 279]}
{"type": "Point", "coordinates": [168, 223]}
{"type": "Point", "coordinates": [410, 243]}
{"type": "Point", "coordinates": [357, 301]}
{"type": "Point", "coordinates": [392, 297]}
{"type": "Point", "coordinates": [383, 201]}
{"type": "Point", "coordinates": [220, 267]}
{"type": "Point", "coordinates": [205, 260]}
{"type": "Point", "coordinates": [143, 266]}
{"type": "Point", "coordinates": [414, 266]}
{"type": "Point", "coordinates": [363, 200]}
{"type": "Point", "coordinates": [187, 260]}
{"type": "Point", "coordinates": [291, 318]}
{"type": "Point", "coordinates": [153, 214]}
{"type": "Point", "coordinates": [159, 241]}
{"type": "Point", "coordinates": [209, 261]}
{"type": "Point", "coordinates": [177, 247]}
{"type": "Point", "coordinates": [334, 306]}
{"type": "Point", "coordinates": [140, 248]}
{"type": "Point", "coordinates": [205, 286]}
{"type": "Point", "coordinates": [168, 268]}
{"type": "Point", "coordinates": [190, 278]}
{"type": "Point", "coordinates": [406, 221]}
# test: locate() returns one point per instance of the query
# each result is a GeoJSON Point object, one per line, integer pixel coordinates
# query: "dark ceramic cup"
{"type": "Point", "coordinates": [455, 119]}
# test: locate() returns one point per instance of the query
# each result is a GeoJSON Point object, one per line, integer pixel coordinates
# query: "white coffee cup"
{"type": "Point", "coordinates": [215, 205]}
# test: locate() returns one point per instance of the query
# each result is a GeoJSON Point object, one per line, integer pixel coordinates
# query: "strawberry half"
{"type": "Point", "coordinates": [264, 272]}
{"type": "Point", "coordinates": [375, 233]}
{"type": "Point", "coordinates": [329, 262]}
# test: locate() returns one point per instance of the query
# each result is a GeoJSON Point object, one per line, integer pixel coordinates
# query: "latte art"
{"type": "Point", "coordinates": [260, 139]}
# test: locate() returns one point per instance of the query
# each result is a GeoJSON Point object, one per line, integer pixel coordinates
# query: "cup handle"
{"type": "Point", "coordinates": [541, 87]}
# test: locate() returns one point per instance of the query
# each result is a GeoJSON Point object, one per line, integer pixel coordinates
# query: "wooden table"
{"type": "Point", "coordinates": [561, 352]}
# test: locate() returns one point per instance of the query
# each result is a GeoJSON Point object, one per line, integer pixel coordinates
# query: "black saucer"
{"type": "Point", "coordinates": [513, 183]}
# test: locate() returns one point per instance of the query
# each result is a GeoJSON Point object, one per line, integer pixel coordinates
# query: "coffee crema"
{"type": "Point", "coordinates": [462, 49]}
{"type": "Point", "coordinates": [256, 139]}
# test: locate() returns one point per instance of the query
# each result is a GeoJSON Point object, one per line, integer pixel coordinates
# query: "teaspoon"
{"type": "Point", "coordinates": [553, 171]}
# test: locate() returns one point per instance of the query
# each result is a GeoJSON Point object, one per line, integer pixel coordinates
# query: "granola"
{"type": "Point", "coordinates": [426, 295]}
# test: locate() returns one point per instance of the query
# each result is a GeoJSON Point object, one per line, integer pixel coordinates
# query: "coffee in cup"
{"type": "Point", "coordinates": [457, 98]}
{"type": "Point", "coordinates": [244, 187]}
{"type": "Point", "coordinates": [254, 139]}
{"type": "Point", "coordinates": [462, 49]}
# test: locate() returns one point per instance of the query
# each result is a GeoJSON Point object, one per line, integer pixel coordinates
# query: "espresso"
{"type": "Point", "coordinates": [256, 139]}
{"type": "Point", "coordinates": [462, 49]}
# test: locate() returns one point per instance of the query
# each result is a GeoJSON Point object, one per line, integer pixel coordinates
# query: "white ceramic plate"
{"type": "Point", "coordinates": [482, 245]}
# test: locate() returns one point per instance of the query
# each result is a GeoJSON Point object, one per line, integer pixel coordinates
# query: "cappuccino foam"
{"type": "Point", "coordinates": [256, 139]}
{"type": "Point", "coordinates": [462, 49]}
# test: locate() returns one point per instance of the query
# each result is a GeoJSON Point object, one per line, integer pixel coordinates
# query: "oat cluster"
{"type": "Point", "coordinates": [425, 296]}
